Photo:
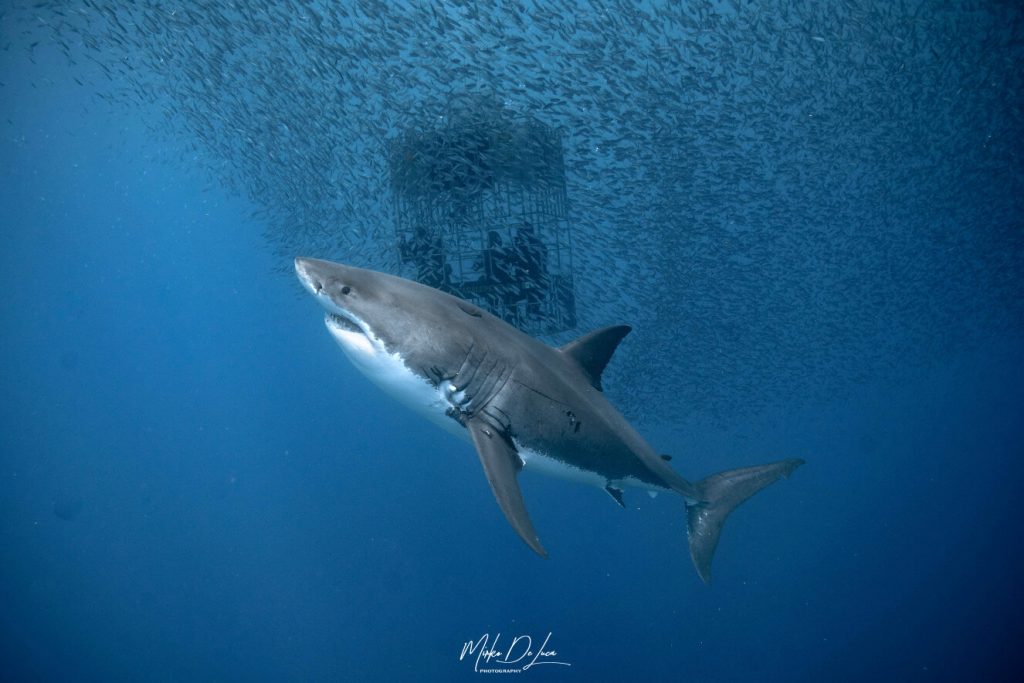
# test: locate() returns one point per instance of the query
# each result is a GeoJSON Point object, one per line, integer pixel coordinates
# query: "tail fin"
{"type": "Point", "coordinates": [721, 494]}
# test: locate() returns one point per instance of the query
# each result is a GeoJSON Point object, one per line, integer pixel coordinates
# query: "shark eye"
{"type": "Point", "coordinates": [346, 289]}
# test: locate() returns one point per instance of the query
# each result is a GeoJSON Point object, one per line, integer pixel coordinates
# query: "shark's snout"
{"type": "Point", "coordinates": [305, 269]}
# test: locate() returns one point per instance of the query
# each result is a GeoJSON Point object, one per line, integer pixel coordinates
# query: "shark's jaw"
{"type": "Point", "coordinates": [354, 338]}
{"type": "Point", "coordinates": [345, 322]}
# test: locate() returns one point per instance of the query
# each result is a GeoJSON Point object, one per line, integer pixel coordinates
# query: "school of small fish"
{"type": "Point", "coordinates": [783, 197]}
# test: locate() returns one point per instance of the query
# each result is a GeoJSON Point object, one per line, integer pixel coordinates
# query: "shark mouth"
{"type": "Point", "coordinates": [344, 322]}
{"type": "Point", "coordinates": [355, 338]}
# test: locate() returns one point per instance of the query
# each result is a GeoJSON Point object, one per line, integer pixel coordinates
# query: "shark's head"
{"type": "Point", "coordinates": [399, 333]}
{"type": "Point", "coordinates": [352, 300]}
{"type": "Point", "coordinates": [372, 314]}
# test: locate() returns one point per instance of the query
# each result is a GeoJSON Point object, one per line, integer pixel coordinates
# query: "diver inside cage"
{"type": "Point", "coordinates": [497, 278]}
{"type": "Point", "coordinates": [530, 259]}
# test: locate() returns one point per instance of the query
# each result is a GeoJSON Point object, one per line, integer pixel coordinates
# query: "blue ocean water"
{"type": "Point", "coordinates": [196, 485]}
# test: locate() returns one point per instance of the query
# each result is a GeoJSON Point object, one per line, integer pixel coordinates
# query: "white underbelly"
{"type": "Point", "coordinates": [535, 461]}
{"type": "Point", "coordinates": [390, 372]}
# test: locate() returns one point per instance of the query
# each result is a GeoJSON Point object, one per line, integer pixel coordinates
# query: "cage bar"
{"type": "Point", "coordinates": [481, 212]}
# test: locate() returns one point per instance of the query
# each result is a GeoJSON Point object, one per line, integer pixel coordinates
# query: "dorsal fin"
{"type": "Point", "coordinates": [593, 350]}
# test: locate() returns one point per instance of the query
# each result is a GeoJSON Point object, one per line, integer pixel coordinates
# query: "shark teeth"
{"type": "Point", "coordinates": [345, 323]}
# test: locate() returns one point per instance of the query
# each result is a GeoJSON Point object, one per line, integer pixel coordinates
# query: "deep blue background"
{"type": "Point", "coordinates": [245, 506]}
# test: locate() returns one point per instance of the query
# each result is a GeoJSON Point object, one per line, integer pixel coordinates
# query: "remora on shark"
{"type": "Point", "coordinates": [522, 403]}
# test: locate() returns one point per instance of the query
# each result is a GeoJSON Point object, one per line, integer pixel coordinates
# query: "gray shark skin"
{"type": "Point", "coordinates": [522, 403]}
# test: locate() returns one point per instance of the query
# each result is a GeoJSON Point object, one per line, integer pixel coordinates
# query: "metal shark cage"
{"type": "Point", "coordinates": [481, 212]}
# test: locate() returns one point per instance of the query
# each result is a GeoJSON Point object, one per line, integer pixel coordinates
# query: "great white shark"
{"type": "Point", "coordinates": [523, 404]}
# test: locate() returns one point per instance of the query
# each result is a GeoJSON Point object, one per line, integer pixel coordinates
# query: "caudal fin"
{"type": "Point", "coordinates": [720, 494]}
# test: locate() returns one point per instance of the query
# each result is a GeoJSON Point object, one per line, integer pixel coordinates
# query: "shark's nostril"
{"type": "Point", "coordinates": [318, 286]}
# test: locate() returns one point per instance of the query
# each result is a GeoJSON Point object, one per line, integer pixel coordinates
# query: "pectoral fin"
{"type": "Point", "coordinates": [501, 465]}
